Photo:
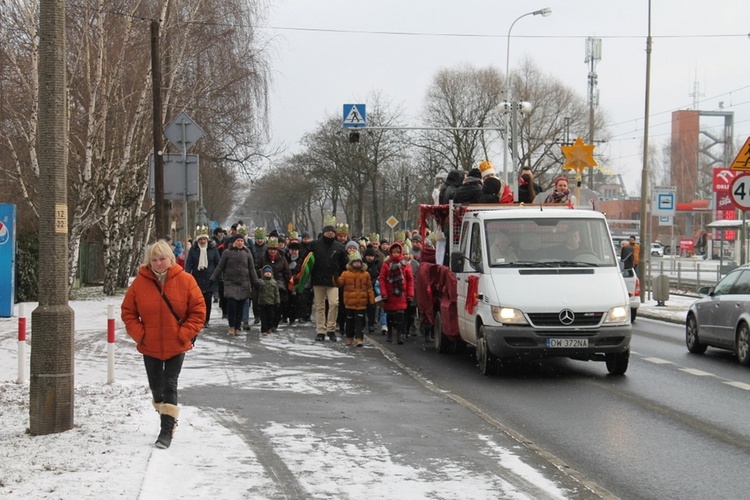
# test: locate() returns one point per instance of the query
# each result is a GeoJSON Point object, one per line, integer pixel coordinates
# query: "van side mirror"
{"type": "Point", "coordinates": [457, 261]}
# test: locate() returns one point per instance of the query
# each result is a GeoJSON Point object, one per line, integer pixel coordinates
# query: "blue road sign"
{"type": "Point", "coordinates": [7, 259]}
{"type": "Point", "coordinates": [354, 115]}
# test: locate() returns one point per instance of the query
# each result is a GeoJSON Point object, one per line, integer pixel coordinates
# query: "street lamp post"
{"type": "Point", "coordinates": [508, 106]}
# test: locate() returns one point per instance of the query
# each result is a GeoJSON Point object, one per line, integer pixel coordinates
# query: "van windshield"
{"type": "Point", "coordinates": [549, 243]}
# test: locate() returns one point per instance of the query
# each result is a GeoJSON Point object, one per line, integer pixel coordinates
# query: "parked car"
{"type": "Point", "coordinates": [657, 249]}
{"type": "Point", "coordinates": [722, 317]}
{"type": "Point", "coordinates": [633, 284]}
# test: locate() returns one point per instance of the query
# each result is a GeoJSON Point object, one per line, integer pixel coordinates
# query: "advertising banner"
{"type": "Point", "coordinates": [7, 259]}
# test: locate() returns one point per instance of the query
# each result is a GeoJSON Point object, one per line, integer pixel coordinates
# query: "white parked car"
{"type": "Point", "coordinates": [657, 249]}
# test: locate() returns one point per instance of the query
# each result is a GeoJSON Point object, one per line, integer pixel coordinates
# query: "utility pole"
{"type": "Point", "coordinates": [52, 384]}
{"type": "Point", "coordinates": [161, 213]}
{"type": "Point", "coordinates": [593, 56]}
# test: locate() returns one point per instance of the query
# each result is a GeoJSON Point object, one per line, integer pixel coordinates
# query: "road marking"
{"type": "Point", "coordinates": [658, 361]}
{"type": "Point", "coordinates": [739, 385]}
{"type": "Point", "coordinates": [699, 373]}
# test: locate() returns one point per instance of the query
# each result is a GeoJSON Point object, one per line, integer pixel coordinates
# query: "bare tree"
{"type": "Point", "coordinates": [461, 97]}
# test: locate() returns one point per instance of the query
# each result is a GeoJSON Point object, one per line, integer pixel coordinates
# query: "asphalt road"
{"type": "Point", "coordinates": [675, 426]}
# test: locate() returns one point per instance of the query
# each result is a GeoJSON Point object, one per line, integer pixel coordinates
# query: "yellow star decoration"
{"type": "Point", "coordinates": [579, 156]}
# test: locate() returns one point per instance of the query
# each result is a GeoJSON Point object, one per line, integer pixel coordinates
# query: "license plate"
{"type": "Point", "coordinates": [567, 343]}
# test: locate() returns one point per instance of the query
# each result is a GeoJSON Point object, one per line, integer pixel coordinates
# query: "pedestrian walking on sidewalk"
{"type": "Point", "coordinates": [201, 262]}
{"type": "Point", "coordinates": [330, 262]}
{"type": "Point", "coordinates": [396, 289]}
{"type": "Point", "coordinates": [358, 294]}
{"type": "Point", "coordinates": [238, 268]}
{"type": "Point", "coordinates": [163, 311]}
{"type": "Point", "coordinates": [268, 300]}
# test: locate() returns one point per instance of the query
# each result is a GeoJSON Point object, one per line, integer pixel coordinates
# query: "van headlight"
{"type": "Point", "coordinates": [508, 316]}
{"type": "Point", "coordinates": [619, 314]}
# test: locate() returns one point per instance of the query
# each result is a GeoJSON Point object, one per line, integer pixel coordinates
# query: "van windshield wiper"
{"type": "Point", "coordinates": [572, 263]}
{"type": "Point", "coordinates": [528, 263]}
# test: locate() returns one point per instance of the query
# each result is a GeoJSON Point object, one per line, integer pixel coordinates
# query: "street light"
{"type": "Point", "coordinates": [507, 105]}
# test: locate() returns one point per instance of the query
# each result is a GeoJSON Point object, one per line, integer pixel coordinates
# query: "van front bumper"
{"type": "Point", "coordinates": [518, 341]}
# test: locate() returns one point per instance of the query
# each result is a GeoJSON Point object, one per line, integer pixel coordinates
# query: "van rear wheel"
{"type": "Point", "coordinates": [488, 362]}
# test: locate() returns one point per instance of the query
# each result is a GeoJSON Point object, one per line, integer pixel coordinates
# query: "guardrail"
{"type": "Point", "coordinates": [687, 274]}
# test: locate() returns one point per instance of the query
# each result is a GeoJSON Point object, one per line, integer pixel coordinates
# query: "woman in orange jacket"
{"type": "Point", "coordinates": [163, 311]}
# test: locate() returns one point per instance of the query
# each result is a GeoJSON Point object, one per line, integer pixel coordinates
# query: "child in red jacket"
{"type": "Point", "coordinates": [397, 290]}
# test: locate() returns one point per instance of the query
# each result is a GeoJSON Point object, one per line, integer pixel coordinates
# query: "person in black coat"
{"type": "Point", "coordinates": [330, 261]}
{"type": "Point", "coordinates": [452, 183]}
{"type": "Point", "coordinates": [471, 189]}
{"type": "Point", "coordinates": [491, 190]}
{"type": "Point", "coordinates": [201, 262]}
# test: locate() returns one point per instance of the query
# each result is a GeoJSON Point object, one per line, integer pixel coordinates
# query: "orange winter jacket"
{"type": "Point", "coordinates": [357, 286]}
{"type": "Point", "coordinates": [148, 319]}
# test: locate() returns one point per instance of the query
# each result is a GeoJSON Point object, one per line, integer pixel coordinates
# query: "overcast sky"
{"type": "Point", "coordinates": [319, 64]}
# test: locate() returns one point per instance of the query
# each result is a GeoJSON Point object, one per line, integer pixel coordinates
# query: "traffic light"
{"type": "Point", "coordinates": [353, 137]}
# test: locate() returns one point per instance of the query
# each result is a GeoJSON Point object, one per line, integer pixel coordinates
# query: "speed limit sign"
{"type": "Point", "coordinates": [739, 191]}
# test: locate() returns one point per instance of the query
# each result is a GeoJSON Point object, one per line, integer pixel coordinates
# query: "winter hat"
{"type": "Point", "coordinates": [267, 269]}
{"type": "Point", "coordinates": [428, 255]}
{"type": "Point", "coordinates": [355, 256]}
{"type": "Point", "coordinates": [491, 185]}
{"type": "Point", "coordinates": [329, 228]}
{"type": "Point", "coordinates": [352, 244]}
{"type": "Point", "coordinates": [260, 233]}
{"type": "Point", "coordinates": [475, 173]}
{"type": "Point", "coordinates": [305, 234]}
{"type": "Point", "coordinates": [274, 234]}
{"type": "Point", "coordinates": [394, 247]}
{"type": "Point", "coordinates": [217, 231]}
{"type": "Point", "coordinates": [383, 241]}
{"type": "Point", "coordinates": [272, 242]}
{"type": "Point", "coordinates": [416, 237]}
{"type": "Point", "coordinates": [370, 251]}
{"type": "Point", "coordinates": [293, 245]}
{"type": "Point", "coordinates": [238, 236]}
{"type": "Point", "coordinates": [560, 179]}
{"type": "Point", "coordinates": [486, 169]}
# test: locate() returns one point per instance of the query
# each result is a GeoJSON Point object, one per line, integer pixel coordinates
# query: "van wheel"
{"type": "Point", "coordinates": [633, 314]}
{"type": "Point", "coordinates": [743, 345]}
{"type": "Point", "coordinates": [488, 362]}
{"type": "Point", "coordinates": [617, 364]}
{"type": "Point", "coordinates": [442, 344]}
{"type": "Point", "coordinates": [691, 336]}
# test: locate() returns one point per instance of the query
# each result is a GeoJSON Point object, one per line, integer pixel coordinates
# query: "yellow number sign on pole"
{"type": "Point", "coordinates": [578, 157]}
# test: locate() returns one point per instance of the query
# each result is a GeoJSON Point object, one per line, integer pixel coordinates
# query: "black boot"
{"type": "Point", "coordinates": [169, 414]}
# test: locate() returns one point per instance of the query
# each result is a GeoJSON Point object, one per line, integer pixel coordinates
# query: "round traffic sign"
{"type": "Point", "coordinates": [739, 191]}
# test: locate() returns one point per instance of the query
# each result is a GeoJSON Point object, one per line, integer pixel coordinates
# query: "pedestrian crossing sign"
{"type": "Point", "coordinates": [354, 115]}
{"type": "Point", "coordinates": [742, 160]}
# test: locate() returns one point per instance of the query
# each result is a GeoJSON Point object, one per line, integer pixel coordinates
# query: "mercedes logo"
{"type": "Point", "coordinates": [567, 317]}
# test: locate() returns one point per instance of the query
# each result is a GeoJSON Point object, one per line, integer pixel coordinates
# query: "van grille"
{"type": "Point", "coordinates": [553, 319]}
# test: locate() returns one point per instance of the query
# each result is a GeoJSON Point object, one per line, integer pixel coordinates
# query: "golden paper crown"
{"type": "Point", "coordinates": [329, 220]}
{"type": "Point", "coordinates": [260, 232]}
{"type": "Point", "coordinates": [342, 229]}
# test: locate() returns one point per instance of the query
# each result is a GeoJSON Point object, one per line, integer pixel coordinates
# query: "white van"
{"type": "Point", "coordinates": [540, 281]}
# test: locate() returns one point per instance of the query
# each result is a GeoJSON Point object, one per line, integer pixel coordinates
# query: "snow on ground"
{"type": "Point", "coordinates": [109, 452]}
